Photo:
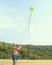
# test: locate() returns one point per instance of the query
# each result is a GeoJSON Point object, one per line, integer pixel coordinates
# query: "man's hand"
{"type": "Point", "coordinates": [19, 47]}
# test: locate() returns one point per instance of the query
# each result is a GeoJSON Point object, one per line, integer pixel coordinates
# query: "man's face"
{"type": "Point", "coordinates": [14, 45]}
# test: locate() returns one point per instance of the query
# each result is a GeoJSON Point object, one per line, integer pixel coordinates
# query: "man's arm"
{"type": "Point", "coordinates": [19, 47]}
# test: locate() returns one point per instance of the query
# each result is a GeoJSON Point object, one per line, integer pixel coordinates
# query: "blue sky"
{"type": "Point", "coordinates": [14, 16]}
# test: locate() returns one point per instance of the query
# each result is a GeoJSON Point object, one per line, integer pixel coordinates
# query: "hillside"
{"type": "Point", "coordinates": [27, 52]}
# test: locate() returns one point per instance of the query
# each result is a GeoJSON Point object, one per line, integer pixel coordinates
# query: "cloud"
{"type": "Point", "coordinates": [41, 24]}
{"type": "Point", "coordinates": [6, 17]}
{"type": "Point", "coordinates": [6, 22]}
{"type": "Point", "coordinates": [7, 9]}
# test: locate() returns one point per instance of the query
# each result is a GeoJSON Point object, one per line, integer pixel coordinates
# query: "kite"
{"type": "Point", "coordinates": [31, 11]}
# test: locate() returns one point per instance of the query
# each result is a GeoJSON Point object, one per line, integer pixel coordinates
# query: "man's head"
{"type": "Point", "coordinates": [14, 45]}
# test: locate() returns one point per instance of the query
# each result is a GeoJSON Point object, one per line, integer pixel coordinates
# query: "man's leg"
{"type": "Point", "coordinates": [14, 62]}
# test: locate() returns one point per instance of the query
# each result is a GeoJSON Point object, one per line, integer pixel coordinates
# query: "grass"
{"type": "Point", "coordinates": [26, 62]}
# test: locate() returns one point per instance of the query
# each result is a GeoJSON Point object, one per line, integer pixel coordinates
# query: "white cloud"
{"type": "Point", "coordinates": [6, 22]}
{"type": "Point", "coordinates": [34, 29]}
{"type": "Point", "coordinates": [40, 29]}
{"type": "Point", "coordinates": [6, 9]}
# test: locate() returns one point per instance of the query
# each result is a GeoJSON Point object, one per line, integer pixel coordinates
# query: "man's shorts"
{"type": "Point", "coordinates": [14, 57]}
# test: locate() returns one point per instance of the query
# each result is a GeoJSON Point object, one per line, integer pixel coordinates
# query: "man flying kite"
{"type": "Point", "coordinates": [15, 53]}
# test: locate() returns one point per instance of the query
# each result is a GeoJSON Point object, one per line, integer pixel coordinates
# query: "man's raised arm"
{"type": "Point", "coordinates": [19, 47]}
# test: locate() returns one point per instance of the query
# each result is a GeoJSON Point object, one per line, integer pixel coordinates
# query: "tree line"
{"type": "Point", "coordinates": [27, 52]}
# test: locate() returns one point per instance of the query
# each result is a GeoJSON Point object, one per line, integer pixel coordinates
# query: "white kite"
{"type": "Point", "coordinates": [31, 11]}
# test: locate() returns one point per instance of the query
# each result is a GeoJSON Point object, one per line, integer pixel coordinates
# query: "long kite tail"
{"type": "Point", "coordinates": [29, 24]}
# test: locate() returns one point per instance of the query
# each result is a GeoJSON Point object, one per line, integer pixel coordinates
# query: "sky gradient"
{"type": "Point", "coordinates": [14, 16]}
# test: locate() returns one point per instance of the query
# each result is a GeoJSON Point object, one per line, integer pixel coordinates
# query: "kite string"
{"type": "Point", "coordinates": [29, 28]}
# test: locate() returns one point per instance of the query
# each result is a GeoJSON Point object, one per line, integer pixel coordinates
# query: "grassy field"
{"type": "Point", "coordinates": [27, 62]}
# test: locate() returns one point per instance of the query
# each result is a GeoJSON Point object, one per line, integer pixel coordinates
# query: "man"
{"type": "Point", "coordinates": [15, 53]}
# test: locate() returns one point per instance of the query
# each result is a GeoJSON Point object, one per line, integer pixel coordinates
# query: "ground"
{"type": "Point", "coordinates": [26, 62]}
